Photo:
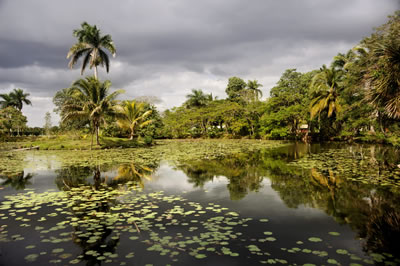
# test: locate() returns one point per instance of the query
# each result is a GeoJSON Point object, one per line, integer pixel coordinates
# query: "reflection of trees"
{"type": "Point", "coordinates": [131, 173]}
{"type": "Point", "coordinates": [17, 181]}
{"type": "Point", "coordinates": [239, 169]}
{"type": "Point", "coordinates": [91, 203]}
{"type": "Point", "coordinates": [73, 176]}
{"type": "Point", "coordinates": [77, 176]}
{"type": "Point", "coordinates": [373, 212]}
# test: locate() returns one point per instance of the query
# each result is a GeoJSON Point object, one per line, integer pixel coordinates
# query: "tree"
{"type": "Point", "coordinates": [90, 100]}
{"type": "Point", "coordinates": [47, 123]}
{"type": "Point", "coordinates": [325, 86]}
{"type": "Point", "coordinates": [19, 97]}
{"type": "Point", "coordinates": [12, 120]}
{"type": "Point", "coordinates": [59, 100]}
{"type": "Point", "coordinates": [132, 115]}
{"type": "Point", "coordinates": [385, 79]}
{"type": "Point", "coordinates": [16, 99]}
{"type": "Point", "coordinates": [253, 89]}
{"type": "Point", "coordinates": [197, 99]}
{"type": "Point", "coordinates": [7, 101]}
{"type": "Point", "coordinates": [325, 99]}
{"type": "Point", "coordinates": [285, 106]}
{"type": "Point", "coordinates": [90, 46]}
{"type": "Point", "coordinates": [234, 88]}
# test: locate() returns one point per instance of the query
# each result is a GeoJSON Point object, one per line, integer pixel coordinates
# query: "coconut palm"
{"type": "Point", "coordinates": [325, 86]}
{"type": "Point", "coordinates": [90, 101]}
{"type": "Point", "coordinates": [90, 46]}
{"type": "Point", "coordinates": [197, 99]}
{"type": "Point", "coordinates": [132, 115]}
{"type": "Point", "coordinates": [253, 86]}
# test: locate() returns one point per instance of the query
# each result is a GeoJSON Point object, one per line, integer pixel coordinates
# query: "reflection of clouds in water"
{"type": "Point", "coordinates": [34, 162]}
{"type": "Point", "coordinates": [166, 178]}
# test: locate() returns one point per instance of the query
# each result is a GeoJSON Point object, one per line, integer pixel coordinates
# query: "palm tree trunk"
{"type": "Point", "coordinates": [95, 72]}
{"type": "Point", "coordinates": [91, 143]}
{"type": "Point", "coordinates": [97, 135]}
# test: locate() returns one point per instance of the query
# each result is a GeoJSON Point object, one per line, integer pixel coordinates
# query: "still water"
{"type": "Point", "coordinates": [297, 204]}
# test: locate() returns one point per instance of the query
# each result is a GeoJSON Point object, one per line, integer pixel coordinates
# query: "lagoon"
{"type": "Point", "coordinates": [196, 202]}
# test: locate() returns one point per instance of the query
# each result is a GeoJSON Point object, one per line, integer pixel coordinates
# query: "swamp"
{"type": "Point", "coordinates": [196, 202]}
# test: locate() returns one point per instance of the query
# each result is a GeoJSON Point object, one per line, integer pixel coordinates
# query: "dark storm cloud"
{"type": "Point", "coordinates": [24, 53]}
{"type": "Point", "coordinates": [166, 48]}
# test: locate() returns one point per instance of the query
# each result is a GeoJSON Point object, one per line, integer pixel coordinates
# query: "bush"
{"type": "Point", "coordinates": [148, 140]}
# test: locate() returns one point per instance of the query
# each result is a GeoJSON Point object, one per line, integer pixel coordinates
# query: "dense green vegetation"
{"type": "Point", "coordinates": [356, 98]}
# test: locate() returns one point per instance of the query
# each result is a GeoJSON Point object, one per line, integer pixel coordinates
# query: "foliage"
{"type": "Point", "coordinates": [132, 115]}
{"type": "Point", "coordinates": [235, 88]}
{"type": "Point", "coordinates": [12, 121]}
{"type": "Point", "coordinates": [90, 46]}
{"type": "Point", "coordinates": [197, 99]}
{"type": "Point", "coordinates": [47, 123]}
{"type": "Point", "coordinates": [90, 100]}
{"type": "Point", "coordinates": [16, 99]}
{"type": "Point", "coordinates": [285, 109]}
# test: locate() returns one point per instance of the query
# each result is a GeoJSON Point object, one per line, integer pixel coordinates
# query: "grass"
{"type": "Point", "coordinates": [66, 142]}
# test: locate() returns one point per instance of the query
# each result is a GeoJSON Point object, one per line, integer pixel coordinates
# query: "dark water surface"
{"type": "Point", "coordinates": [329, 204]}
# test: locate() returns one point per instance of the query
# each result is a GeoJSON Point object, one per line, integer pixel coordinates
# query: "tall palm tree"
{"type": "Point", "coordinates": [19, 98]}
{"type": "Point", "coordinates": [132, 115]}
{"type": "Point", "coordinates": [90, 46]}
{"type": "Point", "coordinates": [253, 86]}
{"type": "Point", "coordinates": [92, 101]}
{"type": "Point", "coordinates": [197, 99]}
{"type": "Point", "coordinates": [325, 86]}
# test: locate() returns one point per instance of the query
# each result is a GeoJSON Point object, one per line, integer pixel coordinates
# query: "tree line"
{"type": "Point", "coordinates": [356, 97]}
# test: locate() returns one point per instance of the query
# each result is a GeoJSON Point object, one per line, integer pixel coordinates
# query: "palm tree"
{"type": "Point", "coordinates": [91, 101]}
{"type": "Point", "coordinates": [16, 99]}
{"type": "Point", "coordinates": [19, 98]}
{"type": "Point", "coordinates": [198, 99]}
{"type": "Point", "coordinates": [253, 86]}
{"type": "Point", "coordinates": [385, 77]}
{"type": "Point", "coordinates": [132, 115]}
{"type": "Point", "coordinates": [325, 86]}
{"type": "Point", "coordinates": [7, 101]}
{"type": "Point", "coordinates": [89, 46]}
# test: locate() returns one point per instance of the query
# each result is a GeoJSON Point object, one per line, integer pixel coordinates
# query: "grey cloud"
{"type": "Point", "coordinates": [165, 48]}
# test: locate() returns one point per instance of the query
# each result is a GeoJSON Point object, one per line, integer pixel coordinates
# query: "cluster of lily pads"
{"type": "Point", "coordinates": [363, 168]}
{"type": "Point", "coordinates": [168, 227]}
{"type": "Point", "coordinates": [12, 162]}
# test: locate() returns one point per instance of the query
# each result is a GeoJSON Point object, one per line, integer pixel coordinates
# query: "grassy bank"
{"type": "Point", "coordinates": [69, 143]}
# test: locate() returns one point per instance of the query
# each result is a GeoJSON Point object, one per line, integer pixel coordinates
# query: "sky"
{"type": "Point", "coordinates": [166, 48]}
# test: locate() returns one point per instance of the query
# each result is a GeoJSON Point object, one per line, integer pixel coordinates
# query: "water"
{"type": "Point", "coordinates": [295, 204]}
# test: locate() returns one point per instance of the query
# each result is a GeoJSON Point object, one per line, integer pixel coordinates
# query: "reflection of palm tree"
{"type": "Point", "coordinates": [18, 181]}
{"type": "Point", "coordinates": [132, 172]}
